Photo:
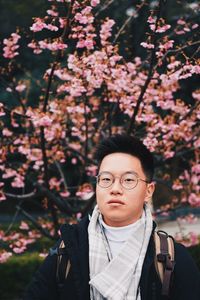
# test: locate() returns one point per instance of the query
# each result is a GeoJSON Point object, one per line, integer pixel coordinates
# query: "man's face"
{"type": "Point", "coordinates": [120, 206]}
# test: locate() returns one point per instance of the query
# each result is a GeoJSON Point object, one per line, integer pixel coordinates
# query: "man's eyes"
{"type": "Point", "coordinates": [106, 179]}
{"type": "Point", "coordinates": [129, 179]}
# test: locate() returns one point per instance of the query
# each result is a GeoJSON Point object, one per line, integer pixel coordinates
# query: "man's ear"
{"type": "Point", "coordinates": [149, 191]}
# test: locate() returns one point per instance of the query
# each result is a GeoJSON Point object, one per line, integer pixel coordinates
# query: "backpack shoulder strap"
{"type": "Point", "coordinates": [63, 264]}
{"type": "Point", "coordinates": [164, 259]}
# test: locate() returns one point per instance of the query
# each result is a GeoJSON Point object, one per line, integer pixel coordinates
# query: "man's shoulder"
{"type": "Point", "coordinates": [181, 250]}
{"type": "Point", "coordinates": [82, 223]}
{"type": "Point", "coordinates": [184, 261]}
{"type": "Point", "coordinates": [77, 231]}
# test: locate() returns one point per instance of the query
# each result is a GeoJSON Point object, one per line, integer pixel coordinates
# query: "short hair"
{"type": "Point", "coordinates": [126, 144]}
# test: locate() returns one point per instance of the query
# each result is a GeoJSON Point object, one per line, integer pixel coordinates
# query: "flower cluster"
{"type": "Point", "coordinates": [39, 25]}
{"type": "Point", "coordinates": [11, 46]}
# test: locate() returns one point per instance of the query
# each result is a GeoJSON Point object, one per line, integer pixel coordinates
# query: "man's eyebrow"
{"type": "Point", "coordinates": [130, 171]}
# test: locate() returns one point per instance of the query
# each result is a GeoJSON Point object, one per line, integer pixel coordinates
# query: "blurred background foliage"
{"type": "Point", "coordinates": [18, 15]}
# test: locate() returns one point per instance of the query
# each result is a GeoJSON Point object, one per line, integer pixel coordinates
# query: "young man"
{"type": "Point", "coordinates": [111, 254]}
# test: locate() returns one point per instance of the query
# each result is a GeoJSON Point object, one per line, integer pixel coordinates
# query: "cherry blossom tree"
{"type": "Point", "coordinates": [88, 91]}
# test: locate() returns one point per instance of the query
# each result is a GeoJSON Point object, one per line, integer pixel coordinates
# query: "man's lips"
{"type": "Point", "coordinates": [115, 201]}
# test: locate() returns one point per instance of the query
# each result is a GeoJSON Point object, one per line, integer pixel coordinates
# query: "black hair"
{"type": "Point", "coordinates": [126, 144]}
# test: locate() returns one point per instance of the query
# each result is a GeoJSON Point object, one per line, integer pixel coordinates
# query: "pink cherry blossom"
{"type": "Point", "coordinates": [54, 183]}
{"type": "Point", "coordinates": [85, 16]}
{"type": "Point", "coordinates": [177, 185]}
{"type": "Point", "coordinates": [18, 181]}
{"type": "Point", "coordinates": [9, 173]}
{"type": "Point", "coordinates": [35, 47]}
{"type": "Point", "coordinates": [24, 226]}
{"type": "Point", "coordinates": [78, 216]}
{"type": "Point", "coordinates": [151, 20]}
{"type": "Point", "coordinates": [163, 28]}
{"type": "Point", "coordinates": [11, 46]}
{"type": "Point", "coordinates": [74, 160]}
{"type": "Point", "coordinates": [152, 27]}
{"type": "Point", "coordinates": [20, 87]}
{"type": "Point", "coordinates": [52, 12]}
{"type": "Point", "coordinates": [2, 196]}
{"type": "Point", "coordinates": [9, 90]}
{"type": "Point", "coordinates": [105, 31]}
{"type": "Point", "coordinates": [95, 2]}
{"type": "Point", "coordinates": [41, 120]}
{"type": "Point", "coordinates": [190, 219]}
{"type": "Point", "coordinates": [62, 22]}
{"type": "Point", "coordinates": [147, 45]}
{"type": "Point", "coordinates": [86, 193]}
{"type": "Point", "coordinates": [6, 132]}
{"type": "Point", "coordinates": [191, 239]}
{"type": "Point", "coordinates": [2, 113]}
{"type": "Point", "coordinates": [65, 194]}
{"type": "Point", "coordinates": [196, 168]}
{"type": "Point", "coordinates": [43, 255]}
{"type": "Point", "coordinates": [195, 26]}
{"type": "Point", "coordinates": [181, 22]}
{"type": "Point", "coordinates": [56, 45]}
{"type": "Point", "coordinates": [194, 200]}
{"type": "Point", "coordinates": [51, 27]}
{"type": "Point", "coordinates": [196, 95]}
{"type": "Point", "coordinates": [4, 256]}
{"type": "Point", "coordinates": [169, 44]}
{"type": "Point", "coordinates": [38, 25]}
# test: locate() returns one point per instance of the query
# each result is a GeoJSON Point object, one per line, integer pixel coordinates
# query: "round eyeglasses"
{"type": "Point", "coordinates": [128, 180]}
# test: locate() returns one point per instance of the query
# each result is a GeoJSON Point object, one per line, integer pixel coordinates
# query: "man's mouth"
{"type": "Point", "coordinates": [116, 201]}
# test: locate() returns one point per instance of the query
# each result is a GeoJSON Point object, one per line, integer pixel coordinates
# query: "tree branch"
{"type": "Point", "coordinates": [35, 223]}
{"type": "Point", "coordinates": [104, 7]}
{"type": "Point", "coordinates": [21, 197]}
{"type": "Point", "coordinates": [127, 22]}
{"type": "Point", "coordinates": [150, 73]}
{"type": "Point", "coordinates": [178, 50]}
{"type": "Point", "coordinates": [63, 37]}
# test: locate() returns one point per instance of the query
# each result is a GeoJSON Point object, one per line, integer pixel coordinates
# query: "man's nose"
{"type": "Point", "coordinates": [116, 186]}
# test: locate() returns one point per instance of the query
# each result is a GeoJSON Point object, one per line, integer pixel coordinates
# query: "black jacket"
{"type": "Point", "coordinates": [186, 282]}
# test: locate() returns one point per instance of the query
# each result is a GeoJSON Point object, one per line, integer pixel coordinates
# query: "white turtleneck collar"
{"type": "Point", "coordinates": [117, 236]}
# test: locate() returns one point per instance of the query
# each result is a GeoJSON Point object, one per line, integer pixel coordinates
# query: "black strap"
{"type": "Point", "coordinates": [62, 262]}
{"type": "Point", "coordinates": [61, 271]}
{"type": "Point", "coordinates": [166, 260]}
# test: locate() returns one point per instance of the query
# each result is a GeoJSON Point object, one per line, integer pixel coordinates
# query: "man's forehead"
{"type": "Point", "coordinates": [120, 163]}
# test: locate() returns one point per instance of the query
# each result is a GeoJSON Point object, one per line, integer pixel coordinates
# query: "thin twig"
{"type": "Point", "coordinates": [148, 79]}
{"type": "Point", "coordinates": [21, 197]}
{"type": "Point", "coordinates": [61, 174]}
{"type": "Point", "coordinates": [46, 174]}
{"type": "Point", "coordinates": [127, 21]}
{"type": "Point", "coordinates": [13, 220]}
{"type": "Point", "coordinates": [104, 7]}
{"type": "Point", "coordinates": [177, 51]}
{"type": "Point", "coordinates": [86, 127]}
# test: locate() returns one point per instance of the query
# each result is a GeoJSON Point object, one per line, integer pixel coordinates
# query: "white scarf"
{"type": "Point", "coordinates": [119, 278]}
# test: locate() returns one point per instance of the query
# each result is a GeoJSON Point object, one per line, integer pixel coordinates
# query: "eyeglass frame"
{"type": "Point", "coordinates": [114, 177]}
